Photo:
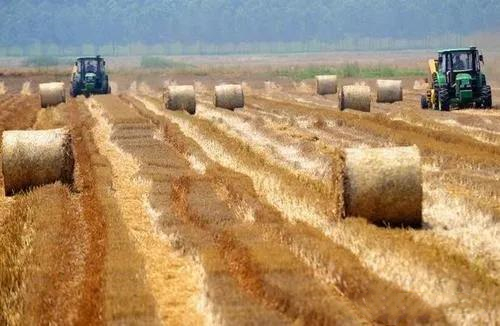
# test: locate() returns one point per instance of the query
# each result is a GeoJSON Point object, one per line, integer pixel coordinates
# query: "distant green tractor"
{"type": "Point", "coordinates": [89, 77]}
{"type": "Point", "coordinates": [457, 81]}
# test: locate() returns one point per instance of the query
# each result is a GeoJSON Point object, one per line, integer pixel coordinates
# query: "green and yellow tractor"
{"type": "Point", "coordinates": [456, 81]}
{"type": "Point", "coordinates": [89, 77]}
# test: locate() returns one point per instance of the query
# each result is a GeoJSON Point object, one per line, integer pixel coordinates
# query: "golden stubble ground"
{"type": "Point", "coordinates": [50, 237]}
{"type": "Point", "coordinates": [146, 281]}
{"type": "Point", "coordinates": [227, 217]}
{"type": "Point", "coordinates": [417, 261]}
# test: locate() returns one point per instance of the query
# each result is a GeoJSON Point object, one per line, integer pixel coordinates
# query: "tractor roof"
{"type": "Point", "coordinates": [90, 58]}
{"type": "Point", "coordinates": [472, 48]}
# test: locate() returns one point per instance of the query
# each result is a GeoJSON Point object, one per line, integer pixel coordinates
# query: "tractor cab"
{"type": "Point", "coordinates": [461, 65]}
{"type": "Point", "coordinates": [89, 76]}
{"type": "Point", "coordinates": [457, 80]}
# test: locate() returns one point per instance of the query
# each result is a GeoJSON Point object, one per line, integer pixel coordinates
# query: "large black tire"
{"type": "Point", "coordinates": [486, 97]}
{"type": "Point", "coordinates": [443, 100]}
{"type": "Point", "coordinates": [424, 103]}
{"type": "Point", "coordinates": [73, 92]}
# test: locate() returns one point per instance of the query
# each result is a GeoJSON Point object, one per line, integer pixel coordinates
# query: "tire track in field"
{"type": "Point", "coordinates": [271, 286]}
{"type": "Point", "coordinates": [310, 246]}
{"type": "Point", "coordinates": [146, 282]}
{"type": "Point", "coordinates": [399, 248]}
{"type": "Point", "coordinates": [482, 125]}
{"type": "Point", "coordinates": [59, 280]}
{"type": "Point", "coordinates": [479, 244]}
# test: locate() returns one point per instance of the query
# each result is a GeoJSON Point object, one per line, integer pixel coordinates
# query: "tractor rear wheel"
{"type": "Point", "coordinates": [444, 100]}
{"type": "Point", "coordinates": [424, 103]}
{"type": "Point", "coordinates": [73, 92]}
{"type": "Point", "coordinates": [486, 97]}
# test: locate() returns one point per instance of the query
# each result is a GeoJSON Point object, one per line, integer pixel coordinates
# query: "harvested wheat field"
{"type": "Point", "coordinates": [285, 211]}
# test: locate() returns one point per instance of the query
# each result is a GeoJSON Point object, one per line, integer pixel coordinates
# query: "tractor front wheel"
{"type": "Point", "coordinates": [444, 100]}
{"type": "Point", "coordinates": [424, 103]}
{"type": "Point", "coordinates": [486, 97]}
{"type": "Point", "coordinates": [73, 92]}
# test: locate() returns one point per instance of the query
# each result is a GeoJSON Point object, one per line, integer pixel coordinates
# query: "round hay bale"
{"type": "Point", "coordinates": [326, 84]}
{"type": "Point", "coordinates": [384, 185]}
{"type": "Point", "coordinates": [420, 84]}
{"type": "Point", "coordinates": [26, 89]}
{"type": "Point", "coordinates": [180, 98]}
{"type": "Point", "coordinates": [355, 97]}
{"type": "Point", "coordinates": [3, 89]}
{"type": "Point", "coordinates": [51, 94]}
{"type": "Point", "coordinates": [36, 157]}
{"type": "Point", "coordinates": [229, 97]}
{"type": "Point", "coordinates": [389, 91]}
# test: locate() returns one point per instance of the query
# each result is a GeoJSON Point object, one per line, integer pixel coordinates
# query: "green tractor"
{"type": "Point", "coordinates": [89, 77]}
{"type": "Point", "coordinates": [457, 81]}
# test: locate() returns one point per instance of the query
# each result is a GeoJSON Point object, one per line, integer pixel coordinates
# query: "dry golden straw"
{"type": "Point", "coordinates": [389, 91]}
{"type": "Point", "coordinates": [36, 157]}
{"type": "Point", "coordinates": [51, 94]}
{"type": "Point", "coordinates": [229, 97]}
{"type": "Point", "coordinates": [326, 84]}
{"type": "Point", "coordinates": [384, 185]}
{"type": "Point", "coordinates": [179, 98]}
{"type": "Point", "coordinates": [355, 97]}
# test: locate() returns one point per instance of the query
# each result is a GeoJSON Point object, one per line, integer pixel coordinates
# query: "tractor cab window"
{"type": "Point", "coordinates": [442, 64]}
{"type": "Point", "coordinates": [462, 61]}
{"type": "Point", "coordinates": [478, 63]}
{"type": "Point", "coordinates": [91, 67]}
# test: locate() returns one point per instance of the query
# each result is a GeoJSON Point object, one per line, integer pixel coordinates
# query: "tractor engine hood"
{"type": "Point", "coordinates": [90, 77]}
{"type": "Point", "coordinates": [464, 80]}
{"type": "Point", "coordinates": [464, 87]}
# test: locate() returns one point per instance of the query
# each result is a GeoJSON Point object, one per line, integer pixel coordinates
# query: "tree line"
{"type": "Point", "coordinates": [119, 22]}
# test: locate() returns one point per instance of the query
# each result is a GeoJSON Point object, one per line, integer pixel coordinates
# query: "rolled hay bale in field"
{"type": "Point", "coordinates": [384, 185]}
{"type": "Point", "coordinates": [389, 91]}
{"type": "Point", "coordinates": [51, 94]}
{"type": "Point", "coordinates": [326, 84]}
{"type": "Point", "coordinates": [144, 88]}
{"type": "Point", "coordinates": [178, 98]}
{"type": "Point", "coordinates": [355, 97]}
{"type": "Point", "coordinates": [229, 97]}
{"type": "Point", "coordinates": [270, 86]}
{"type": "Point", "coordinates": [36, 157]}
{"type": "Point", "coordinates": [114, 88]}
{"type": "Point", "coordinates": [133, 88]}
{"type": "Point", "coordinates": [26, 89]}
{"type": "Point", "coordinates": [303, 87]}
{"type": "Point", "coordinates": [3, 89]}
{"type": "Point", "coordinates": [420, 85]}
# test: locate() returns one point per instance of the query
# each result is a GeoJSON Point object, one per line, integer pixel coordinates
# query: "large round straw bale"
{"type": "Point", "coordinates": [36, 157]}
{"type": "Point", "coordinates": [384, 185]}
{"type": "Point", "coordinates": [3, 89]}
{"type": "Point", "coordinates": [180, 98]}
{"type": "Point", "coordinates": [229, 97]}
{"type": "Point", "coordinates": [326, 84]}
{"type": "Point", "coordinates": [389, 91]}
{"type": "Point", "coordinates": [51, 94]}
{"type": "Point", "coordinates": [355, 97]}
